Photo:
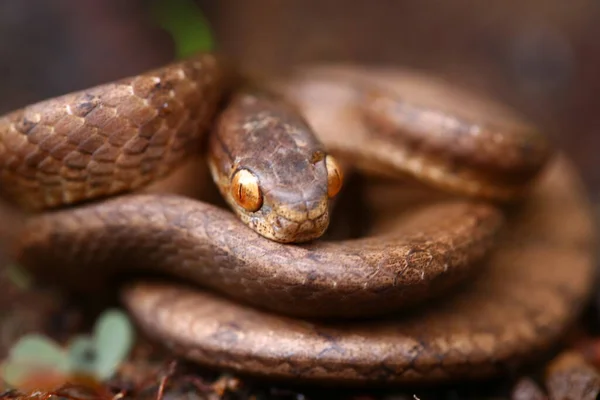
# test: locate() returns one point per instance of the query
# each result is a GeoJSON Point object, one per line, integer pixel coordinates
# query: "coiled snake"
{"type": "Point", "coordinates": [470, 273]}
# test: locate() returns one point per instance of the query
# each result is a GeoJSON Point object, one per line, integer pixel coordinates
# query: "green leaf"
{"type": "Point", "coordinates": [33, 353]}
{"type": "Point", "coordinates": [186, 24]}
{"type": "Point", "coordinates": [113, 336]}
{"type": "Point", "coordinates": [83, 355]}
{"type": "Point", "coordinates": [38, 349]}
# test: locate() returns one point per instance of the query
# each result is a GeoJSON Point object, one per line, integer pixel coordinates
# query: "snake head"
{"type": "Point", "coordinates": [272, 170]}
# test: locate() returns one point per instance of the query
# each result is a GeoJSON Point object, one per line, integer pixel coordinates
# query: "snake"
{"type": "Point", "coordinates": [207, 198]}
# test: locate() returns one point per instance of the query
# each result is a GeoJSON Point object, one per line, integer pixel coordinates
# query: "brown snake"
{"type": "Point", "coordinates": [465, 284]}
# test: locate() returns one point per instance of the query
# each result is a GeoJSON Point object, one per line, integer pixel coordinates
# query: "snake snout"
{"type": "Point", "coordinates": [288, 231]}
{"type": "Point", "coordinates": [302, 221]}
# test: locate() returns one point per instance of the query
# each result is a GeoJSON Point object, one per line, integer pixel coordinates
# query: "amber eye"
{"type": "Point", "coordinates": [335, 176]}
{"type": "Point", "coordinates": [245, 190]}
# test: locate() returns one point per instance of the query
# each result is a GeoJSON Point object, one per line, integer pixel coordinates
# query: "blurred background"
{"type": "Point", "coordinates": [540, 56]}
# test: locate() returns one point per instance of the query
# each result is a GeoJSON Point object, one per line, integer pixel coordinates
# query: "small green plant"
{"type": "Point", "coordinates": [186, 24]}
{"type": "Point", "coordinates": [97, 356]}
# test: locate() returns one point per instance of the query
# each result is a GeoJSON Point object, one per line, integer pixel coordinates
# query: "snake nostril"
{"type": "Point", "coordinates": [317, 156]}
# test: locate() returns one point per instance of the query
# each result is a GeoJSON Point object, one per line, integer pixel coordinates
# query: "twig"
{"type": "Point", "coordinates": [165, 378]}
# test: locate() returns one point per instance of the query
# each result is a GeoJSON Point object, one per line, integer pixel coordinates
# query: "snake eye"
{"type": "Point", "coordinates": [335, 176]}
{"type": "Point", "coordinates": [245, 190]}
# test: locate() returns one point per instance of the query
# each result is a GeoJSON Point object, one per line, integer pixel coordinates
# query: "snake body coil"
{"type": "Point", "coordinates": [464, 284]}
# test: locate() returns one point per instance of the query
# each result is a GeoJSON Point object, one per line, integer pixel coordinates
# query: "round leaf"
{"type": "Point", "coordinates": [31, 355]}
{"type": "Point", "coordinates": [113, 337]}
{"type": "Point", "coordinates": [39, 350]}
{"type": "Point", "coordinates": [83, 355]}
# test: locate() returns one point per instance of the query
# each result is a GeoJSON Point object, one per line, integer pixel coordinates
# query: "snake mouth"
{"type": "Point", "coordinates": [299, 222]}
{"type": "Point", "coordinates": [285, 230]}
